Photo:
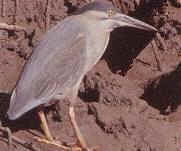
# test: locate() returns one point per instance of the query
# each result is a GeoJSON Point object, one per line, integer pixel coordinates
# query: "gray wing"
{"type": "Point", "coordinates": [55, 66]}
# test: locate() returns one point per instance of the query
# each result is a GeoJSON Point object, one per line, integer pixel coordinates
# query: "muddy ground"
{"type": "Point", "coordinates": [123, 104]}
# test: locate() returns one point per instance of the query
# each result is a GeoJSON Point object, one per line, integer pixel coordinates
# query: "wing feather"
{"type": "Point", "coordinates": [55, 66]}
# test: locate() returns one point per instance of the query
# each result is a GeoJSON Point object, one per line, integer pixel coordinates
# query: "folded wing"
{"type": "Point", "coordinates": [54, 67]}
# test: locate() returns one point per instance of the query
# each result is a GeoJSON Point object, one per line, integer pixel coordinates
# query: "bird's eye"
{"type": "Point", "coordinates": [111, 12]}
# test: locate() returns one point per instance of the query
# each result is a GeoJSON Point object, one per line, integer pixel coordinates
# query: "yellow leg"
{"type": "Point", "coordinates": [48, 135]}
{"type": "Point", "coordinates": [81, 140]}
{"type": "Point", "coordinates": [79, 135]}
{"type": "Point", "coordinates": [44, 126]}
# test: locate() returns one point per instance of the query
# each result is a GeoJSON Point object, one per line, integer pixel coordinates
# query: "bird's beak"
{"type": "Point", "coordinates": [124, 20]}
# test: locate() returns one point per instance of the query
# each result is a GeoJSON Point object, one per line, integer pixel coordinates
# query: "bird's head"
{"type": "Point", "coordinates": [111, 17]}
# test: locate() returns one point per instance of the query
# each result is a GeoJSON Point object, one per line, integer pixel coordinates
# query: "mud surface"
{"type": "Point", "coordinates": [123, 103]}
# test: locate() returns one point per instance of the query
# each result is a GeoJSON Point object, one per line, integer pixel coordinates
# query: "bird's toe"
{"type": "Point", "coordinates": [53, 142]}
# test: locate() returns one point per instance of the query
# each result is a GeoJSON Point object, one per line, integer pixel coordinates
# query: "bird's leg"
{"type": "Point", "coordinates": [44, 125]}
{"type": "Point", "coordinates": [48, 135]}
{"type": "Point", "coordinates": [79, 135]}
{"type": "Point", "coordinates": [76, 128]}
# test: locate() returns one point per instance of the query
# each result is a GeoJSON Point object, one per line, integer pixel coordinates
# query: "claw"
{"type": "Point", "coordinates": [97, 148]}
{"type": "Point", "coordinates": [56, 143]}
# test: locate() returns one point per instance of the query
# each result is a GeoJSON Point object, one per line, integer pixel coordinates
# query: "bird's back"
{"type": "Point", "coordinates": [55, 66]}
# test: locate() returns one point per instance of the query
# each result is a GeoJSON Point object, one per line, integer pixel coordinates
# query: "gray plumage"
{"type": "Point", "coordinates": [65, 54]}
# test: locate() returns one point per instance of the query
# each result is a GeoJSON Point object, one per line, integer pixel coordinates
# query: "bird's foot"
{"type": "Point", "coordinates": [76, 146]}
{"type": "Point", "coordinates": [91, 149]}
{"type": "Point", "coordinates": [53, 142]}
{"type": "Point", "coordinates": [86, 148]}
{"type": "Point", "coordinates": [67, 147]}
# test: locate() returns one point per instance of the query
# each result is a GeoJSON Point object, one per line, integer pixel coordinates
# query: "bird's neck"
{"type": "Point", "coordinates": [97, 39]}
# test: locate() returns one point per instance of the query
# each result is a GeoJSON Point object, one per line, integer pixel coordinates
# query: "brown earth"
{"type": "Point", "coordinates": [121, 105]}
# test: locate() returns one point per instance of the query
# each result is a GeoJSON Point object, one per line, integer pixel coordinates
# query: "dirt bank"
{"type": "Point", "coordinates": [121, 105]}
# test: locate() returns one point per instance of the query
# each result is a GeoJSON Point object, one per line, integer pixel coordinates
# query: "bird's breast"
{"type": "Point", "coordinates": [96, 46]}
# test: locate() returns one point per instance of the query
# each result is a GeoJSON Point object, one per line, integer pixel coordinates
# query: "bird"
{"type": "Point", "coordinates": [60, 61]}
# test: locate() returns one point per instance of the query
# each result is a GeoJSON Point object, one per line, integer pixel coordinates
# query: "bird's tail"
{"type": "Point", "coordinates": [19, 106]}
{"type": "Point", "coordinates": [11, 111]}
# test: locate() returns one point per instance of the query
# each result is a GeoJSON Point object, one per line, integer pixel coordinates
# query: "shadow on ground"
{"type": "Point", "coordinates": [125, 44]}
{"type": "Point", "coordinates": [25, 122]}
{"type": "Point", "coordinates": [164, 94]}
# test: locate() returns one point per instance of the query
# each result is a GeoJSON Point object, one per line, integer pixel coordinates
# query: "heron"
{"type": "Point", "coordinates": [65, 54]}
